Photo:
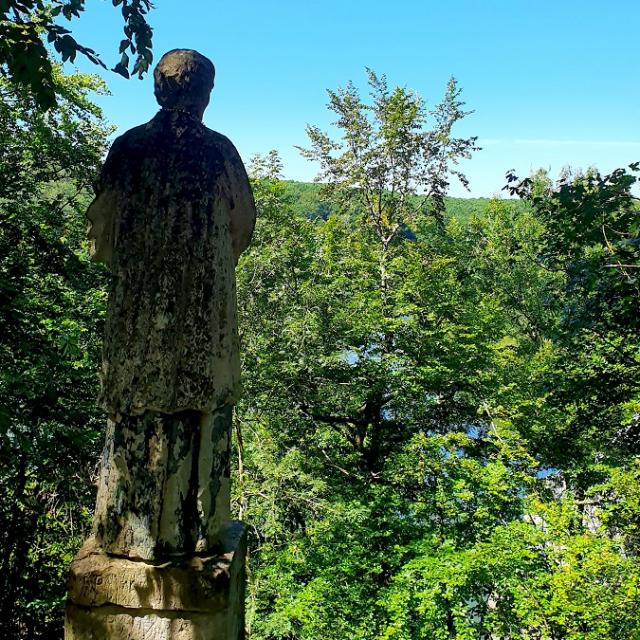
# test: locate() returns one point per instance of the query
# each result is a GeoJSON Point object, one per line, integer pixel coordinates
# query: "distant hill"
{"type": "Point", "coordinates": [307, 200]}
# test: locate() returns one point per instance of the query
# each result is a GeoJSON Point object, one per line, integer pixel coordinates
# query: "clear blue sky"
{"type": "Point", "coordinates": [552, 82]}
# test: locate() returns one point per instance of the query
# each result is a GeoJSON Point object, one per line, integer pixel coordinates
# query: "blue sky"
{"type": "Point", "coordinates": [551, 83]}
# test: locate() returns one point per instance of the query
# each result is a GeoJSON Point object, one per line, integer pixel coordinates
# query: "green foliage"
{"type": "Point", "coordinates": [51, 305]}
{"type": "Point", "coordinates": [353, 422]}
{"type": "Point", "coordinates": [524, 581]}
{"type": "Point", "coordinates": [26, 61]}
{"type": "Point", "coordinates": [593, 235]}
{"type": "Point", "coordinates": [386, 153]}
{"type": "Point", "coordinates": [415, 460]}
{"type": "Point", "coordinates": [592, 242]}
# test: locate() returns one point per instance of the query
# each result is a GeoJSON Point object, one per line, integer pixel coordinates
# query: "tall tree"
{"type": "Point", "coordinates": [396, 458]}
{"type": "Point", "coordinates": [391, 171]}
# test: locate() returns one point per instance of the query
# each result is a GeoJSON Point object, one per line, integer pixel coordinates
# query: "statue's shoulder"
{"type": "Point", "coordinates": [135, 137]}
{"type": "Point", "coordinates": [222, 144]}
{"type": "Point", "coordinates": [127, 146]}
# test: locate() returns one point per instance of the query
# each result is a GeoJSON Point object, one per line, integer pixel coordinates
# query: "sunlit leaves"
{"type": "Point", "coordinates": [25, 24]}
{"type": "Point", "coordinates": [390, 148]}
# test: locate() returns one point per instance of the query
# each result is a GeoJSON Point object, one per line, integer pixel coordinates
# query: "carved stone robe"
{"type": "Point", "coordinates": [173, 212]}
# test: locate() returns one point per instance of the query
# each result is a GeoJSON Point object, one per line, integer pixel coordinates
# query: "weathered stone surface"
{"type": "Point", "coordinates": [183, 79]}
{"type": "Point", "coordinates": [173, 212]}
{"type": "Point", "coordinates": [197, 598]}
{"type": "Point", "coordinates": [163, 488]}
{"type": "Point", "coordinates": [196, 584]}
{"type": "Point", "coordinates": [115, 623]}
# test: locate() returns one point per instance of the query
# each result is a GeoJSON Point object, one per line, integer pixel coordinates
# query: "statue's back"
{"type": "Point", "coordinates": [171, 336]}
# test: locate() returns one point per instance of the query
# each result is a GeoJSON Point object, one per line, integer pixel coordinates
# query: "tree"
{"type": "Point", "coordinates": [51, 306]}
{"type": "Point", "coordinates": [25, 59]}
{"type": "Point", "coordinates": [357, 453]}
{"type": "Point", "coordinates": [386, 154]}
{"type": "Point", "coordinates": [396, 457]}
{"type": "Point", "coordinates": [592, 243]}
{"type": "Point", "coordinates": [391, 171]}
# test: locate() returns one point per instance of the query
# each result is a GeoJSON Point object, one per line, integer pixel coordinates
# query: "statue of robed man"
{"type": "Point", "coordinates": [172, 214]}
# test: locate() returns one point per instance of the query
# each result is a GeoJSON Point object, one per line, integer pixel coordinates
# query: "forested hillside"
{"type": "Point", "coordinates": [307, 199]}
{"type": "Point", "coordinates": [438, 437]}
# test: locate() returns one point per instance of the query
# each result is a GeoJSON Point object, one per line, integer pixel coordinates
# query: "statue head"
{"type": "Point", "coordinates": [184, 80]}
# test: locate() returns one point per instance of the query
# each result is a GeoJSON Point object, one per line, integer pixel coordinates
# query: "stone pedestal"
{"type": "Point", "coordinates": [195, 598]}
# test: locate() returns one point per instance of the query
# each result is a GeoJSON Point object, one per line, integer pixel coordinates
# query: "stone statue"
{"type": "Point", "coordinates": [173, 212]}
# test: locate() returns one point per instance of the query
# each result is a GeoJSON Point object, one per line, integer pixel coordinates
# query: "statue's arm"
{"type": "Point", "coordinates": [102, 212]}
{"type": "Point", "coordinates": [243, 206]}
{"type": "Point", "coordinates": [101, 215]}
